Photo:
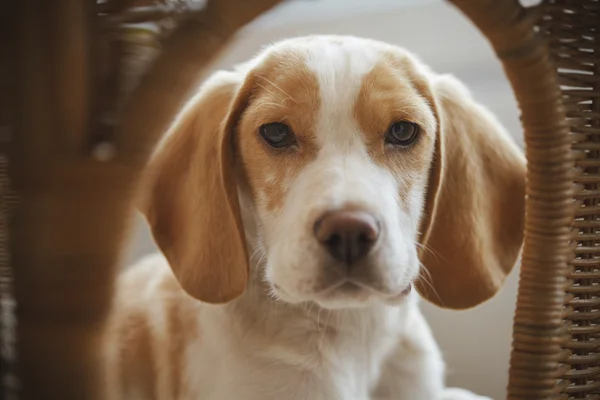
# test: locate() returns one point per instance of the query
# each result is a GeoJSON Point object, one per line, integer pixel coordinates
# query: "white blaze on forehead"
{"type": "Point", "coordinates": [339, 64]}
{"type": "Point", "coordinates": [340, 67]}
{"type": "Point", "coordinates": [343, 171]}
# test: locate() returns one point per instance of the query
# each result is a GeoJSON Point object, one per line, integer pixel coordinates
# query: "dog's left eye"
{"type": "Point", "coordinates": [402, 133]}
{"type": "Point", "coordinates": [277, 135]}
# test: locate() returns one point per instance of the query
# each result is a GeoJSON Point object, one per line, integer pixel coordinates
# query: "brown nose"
{"type": "Point", "coordinates": [347, 235]}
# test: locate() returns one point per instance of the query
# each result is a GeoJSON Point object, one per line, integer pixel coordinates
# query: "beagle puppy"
{"type": "Point", "coordinates": [302, 203]}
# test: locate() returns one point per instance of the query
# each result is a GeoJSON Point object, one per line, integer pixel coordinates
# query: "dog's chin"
{"type": "Point", "coordinates": [344, 294]}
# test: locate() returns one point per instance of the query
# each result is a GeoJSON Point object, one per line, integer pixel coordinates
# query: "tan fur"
{"type": "Point", "coordinates": [199, 150]}
{"type": "Point", "coordinates": [140, 352]}
{"type": "Point", "coordinates": [378, 107]}
{"type": "Point", "coordinates": [470, 180]}
{"type": "Point", "coordinates": [282, 89]}
{"type": "Point", "coordinates": [476, 165]}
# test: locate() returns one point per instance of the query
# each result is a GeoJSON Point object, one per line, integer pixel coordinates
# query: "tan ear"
{"type": "Point", "coordinates": [473, 222]}
{"type": "Point", "coordinates": [190, 197]}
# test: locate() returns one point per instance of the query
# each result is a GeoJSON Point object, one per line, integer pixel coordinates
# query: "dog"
{"type": "Point", "coordinates": [303, 203]}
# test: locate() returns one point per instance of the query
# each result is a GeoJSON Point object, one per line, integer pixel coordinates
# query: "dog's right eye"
{"type": "Point", "coordinates": [277, 135]}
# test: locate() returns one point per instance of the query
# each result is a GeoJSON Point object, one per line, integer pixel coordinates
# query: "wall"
{"type": "Point", "coordinates": [476, 343]}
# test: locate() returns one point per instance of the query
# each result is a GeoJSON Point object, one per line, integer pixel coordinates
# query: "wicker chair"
{"type": "Point", "coordinates": [71, 152]}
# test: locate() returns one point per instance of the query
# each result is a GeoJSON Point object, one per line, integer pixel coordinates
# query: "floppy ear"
{"type": "Point", "coordinates": [473, 221]}
{"type": "Point", "coordinates": [190, 196]}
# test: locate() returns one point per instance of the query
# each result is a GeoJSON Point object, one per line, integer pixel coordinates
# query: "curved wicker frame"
{"type": "Point", "coordinates": [75, 153]}
{"type": "Point", "coordinates": [551, 55]}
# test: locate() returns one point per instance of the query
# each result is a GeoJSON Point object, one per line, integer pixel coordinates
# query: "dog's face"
{"type": "Point", "coordinates": [353, 164]}
{"type": "Point", "coordinates": [336, 143]}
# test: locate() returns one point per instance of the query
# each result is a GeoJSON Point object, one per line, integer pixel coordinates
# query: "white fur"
{"type": "Point", "coordinates": [287, 338]}
{"type": "Point", "coordinates": [342, 174]}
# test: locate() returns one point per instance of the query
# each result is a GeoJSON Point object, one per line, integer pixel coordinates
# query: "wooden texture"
{"type": "Point", "coordinates": [551, 56]}
{"type": "Point", "coordinates": [73, 210]}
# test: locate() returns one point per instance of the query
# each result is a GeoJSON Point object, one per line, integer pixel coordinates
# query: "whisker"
{"type": "Point", "coordinates": [319, 320]}
{"type": "Point", "coordinates": [312, 304]}
{"type": "Point", "coordinates": [425, 248]}
{"type": "Point", "coordinates": [432, 252]}
{"type": "Point", "coordinates": [257, 262]}
{"type": "Point", "coordinates": [278, 88]}
{"type": "Point", "coordinates": [325, 328]}
{"type": "Point", "coordinates": [426, 277]}
{"type": "Point", "coordinates": [271, 92]}
{"type": "Point", "coordinates": [308, 314]}
{"type": "Point", "coordinates": [270, 103]}
{"type": "Point", "coordinates": [407, 107]}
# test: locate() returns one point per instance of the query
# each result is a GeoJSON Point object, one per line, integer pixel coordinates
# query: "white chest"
{"type": "Point", "coordinates": [294, 359]}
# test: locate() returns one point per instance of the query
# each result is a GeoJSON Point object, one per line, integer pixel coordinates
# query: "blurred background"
{"type": "Point", "coordinates": [476, 343]}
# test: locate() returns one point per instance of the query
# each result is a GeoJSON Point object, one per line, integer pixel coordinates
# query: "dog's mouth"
{"type": "Point", "coordinates": [350, 286]}
{"type": "Point", "coordinates": [354, 291]}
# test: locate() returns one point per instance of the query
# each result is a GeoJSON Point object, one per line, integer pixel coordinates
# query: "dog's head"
{"type": "Point", "coordinates": [354, 168]}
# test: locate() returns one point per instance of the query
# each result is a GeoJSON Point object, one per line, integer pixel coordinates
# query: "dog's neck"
{"type": "Point", "coordinates": [308, 329]}
{"type": "Point", "coordinates": [340, 351]}
{"type": "Point", "coordinates": [344, 347]}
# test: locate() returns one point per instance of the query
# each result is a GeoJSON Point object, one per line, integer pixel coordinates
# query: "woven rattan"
{"type": "Point", "coordinates": [75, 154]}
{"type": "Point", "coordinates": [539, 328]}
{"type": "Point", "coordinates": [551, 55]}
{"type": "Point", "coordinates": [78, 121]}
{"type": "Point", "coordinates": [573, 32]}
